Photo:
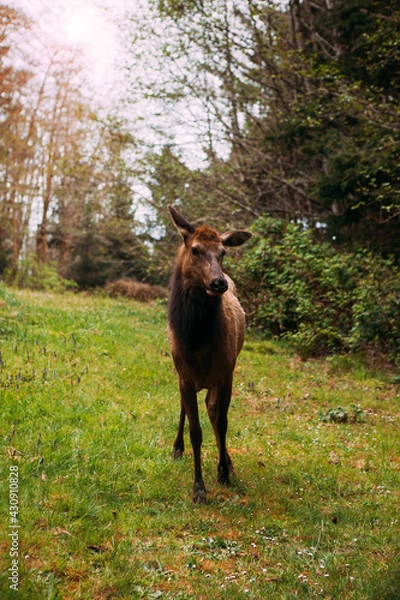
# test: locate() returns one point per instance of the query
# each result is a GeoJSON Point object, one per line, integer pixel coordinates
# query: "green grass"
{"type": "Point", "coordinates": [88, 412]}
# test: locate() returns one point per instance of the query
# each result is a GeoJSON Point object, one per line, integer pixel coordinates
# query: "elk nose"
{"type": "Point", "coordinates": [219, 285]}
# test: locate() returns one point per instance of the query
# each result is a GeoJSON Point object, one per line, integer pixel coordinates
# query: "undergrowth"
{"type": "Point", "coordinates": [323, 301]}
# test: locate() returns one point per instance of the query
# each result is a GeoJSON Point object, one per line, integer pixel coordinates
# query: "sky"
{"type": "Point", "coordinates": [102, 31]}
{"type": "Point", "coordinates": [87, 26]}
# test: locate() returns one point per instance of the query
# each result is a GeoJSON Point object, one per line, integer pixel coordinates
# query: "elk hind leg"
{"type": "Point", "coordinates": [217, 401]}
{"type": "Point", "coordinates": [179, 444]}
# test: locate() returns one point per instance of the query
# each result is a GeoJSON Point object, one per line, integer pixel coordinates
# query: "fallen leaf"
{"type": "Point", "coordinates": [61, 531]}
{"type": "Point", "coordinates": [334, 459]}
{"type": "Point", "coordinates": [13, 453]}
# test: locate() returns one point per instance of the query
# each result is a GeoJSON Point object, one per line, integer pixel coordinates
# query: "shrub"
{"type": "Point", "coordinates": [129, 288]}
{"type": "Point", "coordinates": [33, 274]}
{"type": "Point", "coordinates": [321, 299]}
{"type": "Point", "coordinates": [343, 415]}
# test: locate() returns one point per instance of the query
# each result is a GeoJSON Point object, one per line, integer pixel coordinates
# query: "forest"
{"type": "Point", "coordinates": [279, 116]}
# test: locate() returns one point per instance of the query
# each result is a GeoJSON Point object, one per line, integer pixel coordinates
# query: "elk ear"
{"type": "Point", "coordinates": [184, 227]}
{"type": "Point", "coordinates": [235, 238]}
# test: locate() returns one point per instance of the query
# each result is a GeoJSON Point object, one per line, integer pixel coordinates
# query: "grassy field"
{"type": "Point", "coordinates": [88, 413]}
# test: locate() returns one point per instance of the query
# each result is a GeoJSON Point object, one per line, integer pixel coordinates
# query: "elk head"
{"type": "Point", "coordinates": [202, 252]}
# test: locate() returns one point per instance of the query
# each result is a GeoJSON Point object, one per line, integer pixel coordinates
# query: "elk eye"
{"type": "Point", "coordinates": [195, 251]}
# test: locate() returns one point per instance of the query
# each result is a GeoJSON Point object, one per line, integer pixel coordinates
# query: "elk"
{"type": "Point", "coordinates": [206, 327]}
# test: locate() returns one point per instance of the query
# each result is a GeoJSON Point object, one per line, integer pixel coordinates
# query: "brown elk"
{"type": "Point", "coordinates": [206, 327]}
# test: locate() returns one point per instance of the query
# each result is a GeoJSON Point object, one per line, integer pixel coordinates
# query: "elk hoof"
{"type": "Point", "coordinates": [199, 493]}
{"type": "Point", "coordinates": [224, 479]}
{"type": "Point", "coordinates": [177, 452]}
{"type": "Point", "coordinates": [225, 471]}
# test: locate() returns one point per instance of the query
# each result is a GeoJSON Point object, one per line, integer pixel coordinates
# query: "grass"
{"type": "Point", "coordinates": [88, 413]}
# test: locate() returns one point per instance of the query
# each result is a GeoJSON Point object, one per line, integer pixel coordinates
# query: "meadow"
{"type": "Point", "coordinates": [89, 409]}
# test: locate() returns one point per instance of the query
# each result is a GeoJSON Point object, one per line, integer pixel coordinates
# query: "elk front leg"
{"type": "Point", "coordinates": [189, 404]}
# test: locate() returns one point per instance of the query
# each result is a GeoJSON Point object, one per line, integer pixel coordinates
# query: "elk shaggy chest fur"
{"type": "Point", "coordinates": [206, 327]}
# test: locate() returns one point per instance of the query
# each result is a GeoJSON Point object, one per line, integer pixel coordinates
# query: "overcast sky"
{"type": "Point", "coordinates": [88, 26]}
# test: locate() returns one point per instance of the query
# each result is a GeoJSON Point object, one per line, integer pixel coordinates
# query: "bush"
{"type": "Point", "coordinates": [321, 299]}
{"type": "Point", "coordinates": [142, 292]}
{"type": "Point", "coordinates": [34, 275]}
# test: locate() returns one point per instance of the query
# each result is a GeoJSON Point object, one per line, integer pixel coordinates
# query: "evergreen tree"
{"type": "Point", "coordinates": [305, 95]}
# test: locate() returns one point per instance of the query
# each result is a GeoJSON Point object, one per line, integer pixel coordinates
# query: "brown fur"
{"type": "Point", "coordinates": [206, 327]}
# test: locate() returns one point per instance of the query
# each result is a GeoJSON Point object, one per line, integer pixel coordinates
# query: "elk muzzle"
{"type": "Point", "coordinates": [217, 286]}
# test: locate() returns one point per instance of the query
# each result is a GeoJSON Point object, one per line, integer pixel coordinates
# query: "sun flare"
{"type": "Point", "coordinates": [87, 29]}
{"type": "Point", "coordinates": [84, 26]}
{"type": "Point", "coordinates": [80, 26]}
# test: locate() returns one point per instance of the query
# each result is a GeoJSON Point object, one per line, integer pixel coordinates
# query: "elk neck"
{"type": "Point", "coordinates": [193, 315]}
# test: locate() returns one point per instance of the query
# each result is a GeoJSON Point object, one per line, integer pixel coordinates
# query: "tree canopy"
{"type": "Point", "coordinates": [304, 97]}
{"type": "Point", "coordinates": [235, 110]}
{"type": "Point", "coordinates": [65, 173]}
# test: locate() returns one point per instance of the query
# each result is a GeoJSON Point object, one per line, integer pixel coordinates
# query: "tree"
{"type": "Point", "coordinates": [344, 133]}
{"type": "Point", "coordinates": [304, 98]}
{"type": "Point", "coordinates": [66, 185]}
{"type": "Point", "coordinates": [93, 227]}
{"type": "Point", "coordinates": [15, 137]}
{"type": "Point", "coordinates": [231, 65]}
{"type": "Point", "coordinates": [59, 122]}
